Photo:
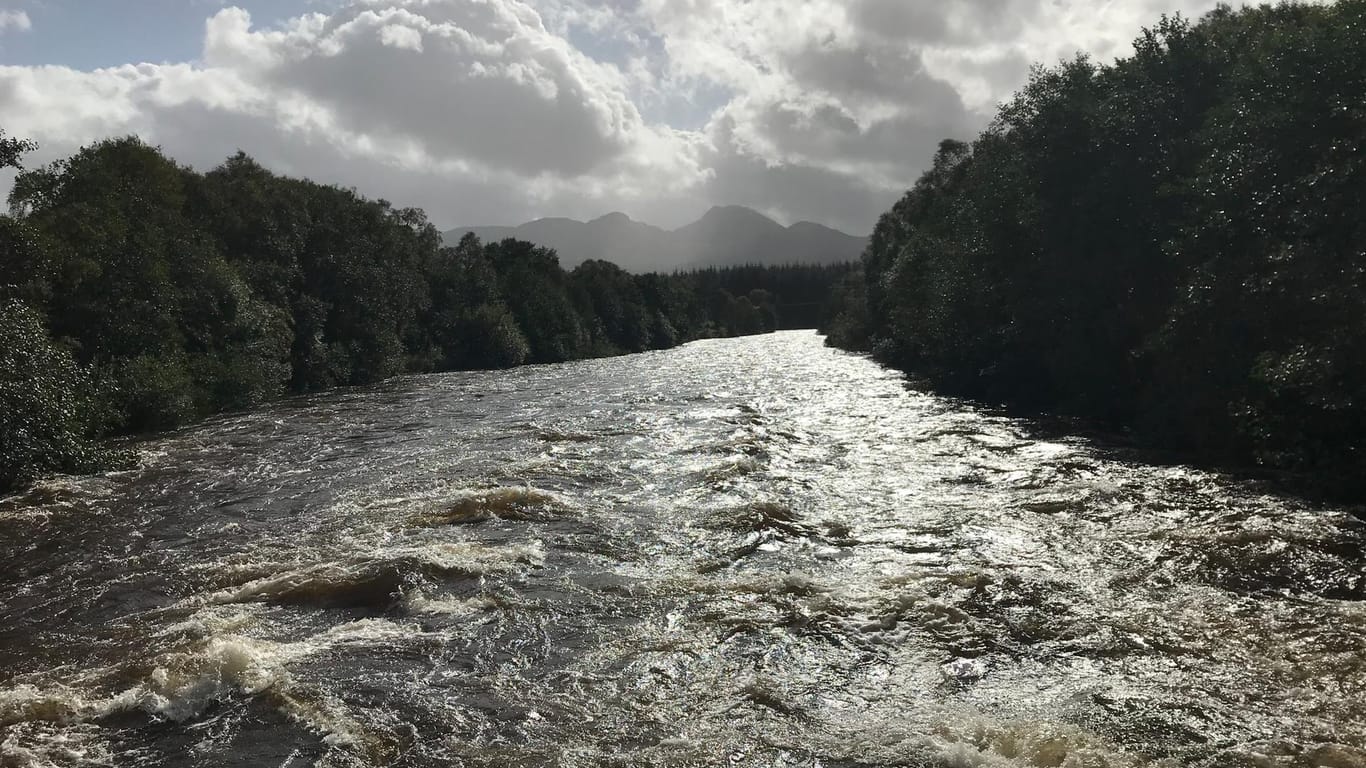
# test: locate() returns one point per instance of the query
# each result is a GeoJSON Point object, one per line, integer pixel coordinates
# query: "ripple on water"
{"type": "Point", "coordinates": [659, 561]}
{"type": "Point", "coordinates": [79, 722]}
{"type": "Point", "coordinates": [504, 503]}
{"type": "Point", "coordinates": [381, 579]}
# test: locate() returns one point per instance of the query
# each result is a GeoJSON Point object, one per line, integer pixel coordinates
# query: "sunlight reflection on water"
{"type": "Point", "coordinates": [750, 552]}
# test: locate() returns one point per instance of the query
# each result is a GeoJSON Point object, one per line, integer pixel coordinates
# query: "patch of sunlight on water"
{"type": "Point", "coordinates": [747, 552]}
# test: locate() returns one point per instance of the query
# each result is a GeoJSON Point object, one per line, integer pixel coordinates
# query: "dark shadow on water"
{"type": "Point", "coordinates": [1111, 444]}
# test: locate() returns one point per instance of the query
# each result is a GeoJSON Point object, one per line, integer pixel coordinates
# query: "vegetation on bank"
{"type": "Point", "coordinates": [1173, 244]}
{"type": "Point", "coordinates": [137, 295]}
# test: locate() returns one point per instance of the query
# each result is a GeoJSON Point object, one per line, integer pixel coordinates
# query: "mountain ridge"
{"type": "Point", "coordinates": [723, 236]}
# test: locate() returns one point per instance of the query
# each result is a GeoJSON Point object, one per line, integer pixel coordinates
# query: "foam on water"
{"type": "Point", "coordinates": [969, 741]}
{"type": "Point", "coordinates": [524, 504]}
{"type": "Point", "coordinates": [658, 561]}
{"type": "Point", "coordinates": [48, 744]}
{"type": "Point", "coordinates": [379, 579]}
{"type": "Point", "coordinates": [182, 683]}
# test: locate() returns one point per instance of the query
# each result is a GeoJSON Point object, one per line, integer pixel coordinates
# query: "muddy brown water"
{"type": "Point", "coordinates": [750, 552]}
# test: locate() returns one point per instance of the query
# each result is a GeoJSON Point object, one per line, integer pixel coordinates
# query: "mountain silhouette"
{"type": "Point", "coordinates": [724, 236]}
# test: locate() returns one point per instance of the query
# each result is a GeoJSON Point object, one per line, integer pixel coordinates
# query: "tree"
{"type": "Point", "coordinates": [1170, 244]}
{"type": "Point", "coordinates": [142, 295]}
{"type": "Point", "coordinates": [12, 149]}
{"type": "Point", "coordinates": [47, 415]}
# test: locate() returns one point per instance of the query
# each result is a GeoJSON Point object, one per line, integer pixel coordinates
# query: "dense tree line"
{"type": "Point", "coordinates": [798, 294]}
{"type": "Point", "coordinates": [1173, 243]}
{"type": "Point", "coordinates": [137, 295]}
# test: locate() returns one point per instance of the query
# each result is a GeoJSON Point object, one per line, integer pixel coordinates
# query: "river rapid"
{"type": "Point", "coordinates": [747, 552]}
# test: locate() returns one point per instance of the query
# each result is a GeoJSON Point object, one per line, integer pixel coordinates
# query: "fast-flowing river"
{"type": "Point", "coordinates": [753, 552]}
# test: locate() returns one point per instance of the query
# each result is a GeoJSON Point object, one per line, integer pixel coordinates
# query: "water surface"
{"type": "Point", "coordinates": [751, 552]}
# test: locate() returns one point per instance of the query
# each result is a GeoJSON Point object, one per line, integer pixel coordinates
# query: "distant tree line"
{"type": "Point", "coordinates": [137, 295]}
{"type": "Point", "coordinates": [1174, 244]}
{"type": "Point", "coordinates": [799, 295]}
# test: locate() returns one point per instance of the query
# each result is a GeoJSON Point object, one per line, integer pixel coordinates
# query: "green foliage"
{"type": "Point", "coordinates": [494, 338]}
{"type": "Point", "coordinates": [26, 262]}
{"type": "Point", "coordinates": [47, 417]}
{"type": "Point", "coordinates": [536, 290]}
{"type": "Point", "coordinates": [611, 296]}
{"type": "Point", "coordinates": [1172, 243]}
{"type": "Point", "coordinates": [151, 392]}
{"type": "Point", "coordinates": [181, 294]}
{"type": "Point", "coordinates": [846, 323]}
{"type": "Point", "coordinates": [11, 149]}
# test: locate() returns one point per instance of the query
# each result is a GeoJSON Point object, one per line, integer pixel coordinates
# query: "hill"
{"type": "Point", "coordinates": [724, 236]}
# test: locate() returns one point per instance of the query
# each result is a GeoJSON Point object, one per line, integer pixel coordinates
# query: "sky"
{"type": "Point", "coordinates": [502, 111]}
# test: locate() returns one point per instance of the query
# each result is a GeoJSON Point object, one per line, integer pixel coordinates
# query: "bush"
{"type": "Point", "coordinates": [153, 393]}
{"type": "Point", "coordinates": [47, 414]}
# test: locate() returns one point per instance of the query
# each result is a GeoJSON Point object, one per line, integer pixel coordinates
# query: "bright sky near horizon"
{"type": "Point", "coordinates": [499, 111]}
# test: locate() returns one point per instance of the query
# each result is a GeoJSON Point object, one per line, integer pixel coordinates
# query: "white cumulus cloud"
{"type": "Point", "coordinates": [18, 20]}
{"type": "Point", "coordinates": [496, 111]}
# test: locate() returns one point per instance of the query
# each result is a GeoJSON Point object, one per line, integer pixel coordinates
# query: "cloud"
{"type": "Point", "coordinates": [17, 20]}
{"type": "Point", "coordinates": [391, 97]}
{"type": "Point", "coordinates": [496, 111]}
{"type": "Point", "coordinates": [827, 121]}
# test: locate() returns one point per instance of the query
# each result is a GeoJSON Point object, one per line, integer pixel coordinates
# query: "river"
{"type": "Point", "coordinates": [746, 552]}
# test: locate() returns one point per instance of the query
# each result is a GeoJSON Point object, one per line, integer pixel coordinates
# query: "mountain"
{"type": "Point", "coordinates": [724, 236]}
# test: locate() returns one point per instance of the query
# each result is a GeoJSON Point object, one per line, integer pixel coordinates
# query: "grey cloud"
{"type": "Point", "coordinates": [1006, 71]}
{"type": "Point", "coordinates": [914, 111]}
{"type": "Point", "coordinates": [488, 85]}
{"type": "Point", "coordinates": [14, 20]}
{"type": "Point", "coordinates": [878, 165]}
{"type": "Point", "coordinates": [798, 192]}
{"type": "Point", "coordinates": [501, 123]}
{"type": "Point", "coordinates": [858, 71]}
{"type": "Point", "coordinates": [901, 19]}
{"type": "Point", "coordinates": [937, 22]}
{"type": "Point", "coordinates": [483, 111]}
{"type": "Point", "coordinates": [203, 137]}
{"type": "Point", "coordinates": [875, 73]}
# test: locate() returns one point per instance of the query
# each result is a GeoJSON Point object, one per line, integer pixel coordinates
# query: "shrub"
{"type": "Point", "coordinates": [47, 413]}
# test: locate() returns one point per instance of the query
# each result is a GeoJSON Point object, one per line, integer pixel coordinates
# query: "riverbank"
{"type": "Point", "coordinates": [743, 551]}
{"type": "Point", "coordinates": [1165, 245]}
{"type": "Point", "coordinates": [136, 313]}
